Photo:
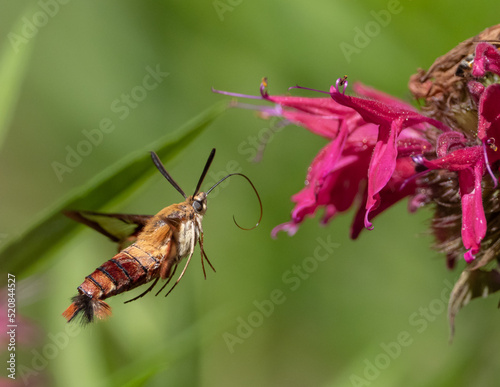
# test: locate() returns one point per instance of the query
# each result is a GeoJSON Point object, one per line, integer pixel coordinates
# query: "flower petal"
{"type": "Point", "coordinates": [382, 165]}
{"type": "Point", "coordinates": [473, 218]}
{"type": "Point", "coordinates": [457, 160]}
{"type": "Point", "coordinates": [392, 117]}
{"type": "Point", "coordinates": [470, 165]}
{"type": "Point", "coordinates": [489, 114]}
{"type": "Point", "coordinates": [487, 59]}
{"type": "Point", "coordinates": [400, 186]}
{"type": "Point", "coordinates": [289, 227]}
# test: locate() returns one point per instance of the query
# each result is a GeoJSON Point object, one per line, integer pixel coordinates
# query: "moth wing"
{"type": "Point", "coordinates": [120, 228]}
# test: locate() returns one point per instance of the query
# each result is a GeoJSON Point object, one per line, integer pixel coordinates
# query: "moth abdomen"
{"type": "Point", "coordinates": [130, 268]}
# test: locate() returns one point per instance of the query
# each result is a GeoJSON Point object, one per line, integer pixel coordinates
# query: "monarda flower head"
{"type": "Point", "coordinates": [382, 150]}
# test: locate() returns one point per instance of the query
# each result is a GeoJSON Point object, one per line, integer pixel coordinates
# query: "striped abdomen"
{"type": "Point", "coordinates": [128, 269]}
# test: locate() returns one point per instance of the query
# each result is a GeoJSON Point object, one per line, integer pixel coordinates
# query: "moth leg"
{"type": "Point", "coordinates": [203, 255]}
{"type": "Point", "coordinates": [182, 274]}
{"type": "Point", "coordinates": [166, 265]}
{"type": "Point", "coordinates": [200, 240]}
{"type": "Point", "coordinates": [144, 293]}
{"type": "Point", "coordinates": [166, 283]}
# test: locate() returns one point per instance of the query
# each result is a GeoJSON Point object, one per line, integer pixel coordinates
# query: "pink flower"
{"type": "Point", "coordinates": [360, 162]}
{"type": "Point", "coordinates": [382, 150]}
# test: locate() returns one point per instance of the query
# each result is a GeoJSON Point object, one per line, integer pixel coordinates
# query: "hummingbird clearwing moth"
{"type": "Point", "coordinates": [150, 247]}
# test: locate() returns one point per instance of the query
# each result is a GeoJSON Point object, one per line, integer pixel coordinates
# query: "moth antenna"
{"type": "Point", "coordinates": [166, 175]}
{"type": "Point", "coordinates": [205, 170]}
{"type": "Point", "coordinates": [254, 189]}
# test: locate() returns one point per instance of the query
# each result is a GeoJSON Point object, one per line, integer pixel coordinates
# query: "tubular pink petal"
{"type": "Point", "coordinates": [290, 228]}
{"type": "Point", "coordinates": [381, 167]}
{"type": "Point", "coordinates": [374, 94]}
{"type": "Point", "coordinates": [487, 59]}
{"type": "Point", "coordinates": [475, 89]}
{"type": "Point", "coordinates": [473, 218]}
{"type": "Point", "coordinates": [489, 113]}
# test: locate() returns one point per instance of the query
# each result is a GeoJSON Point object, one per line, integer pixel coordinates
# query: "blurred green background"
{"type": "Point", "coordinates": [337, 327]}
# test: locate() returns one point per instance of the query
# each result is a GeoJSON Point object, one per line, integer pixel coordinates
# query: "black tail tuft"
{"type": "Point", "coordinates": [87, 308]}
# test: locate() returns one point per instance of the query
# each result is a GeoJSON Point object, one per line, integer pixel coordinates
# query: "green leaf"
{"type": "Point", "coordinates": [20, 255]}
{"type": "Point", "coordinates": [13, 64]}
{"type": "Point", "coordinates": [141, 376]}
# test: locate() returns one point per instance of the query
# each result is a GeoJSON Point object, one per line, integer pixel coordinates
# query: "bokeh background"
{"type": "Point", "coordinates": [337, 328]}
